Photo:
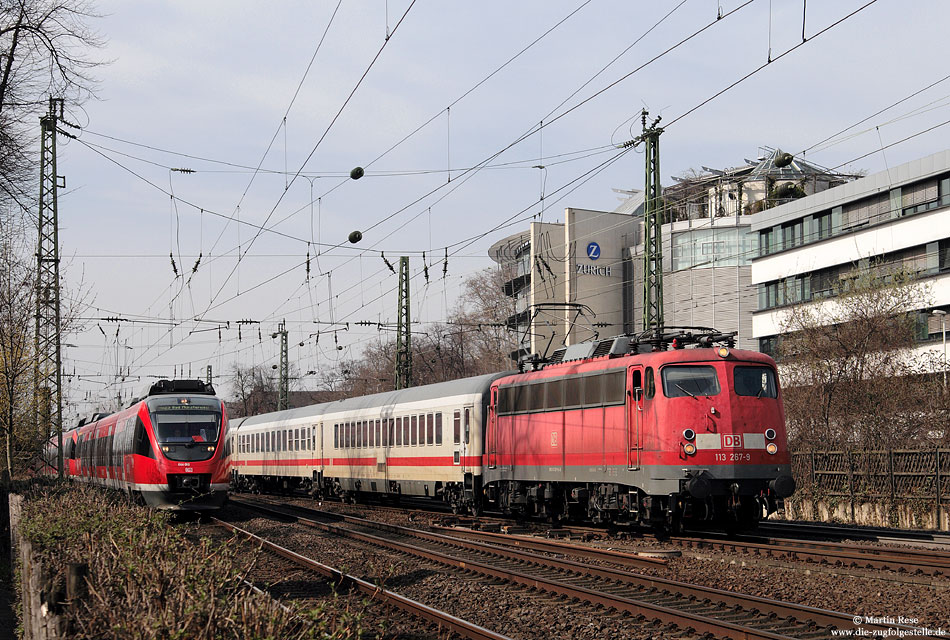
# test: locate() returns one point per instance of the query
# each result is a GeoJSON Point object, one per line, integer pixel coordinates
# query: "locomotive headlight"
{"type": "Point", "coordinates": [689, 448]}
{"type": "Point", "coordinates": [770, 434]}
{"type": "Point", "coordinates": [688, 434]}
{"type": "Point", "coordinates": [772, 448]}
{"type": "Point", "coordinates": [166, 449]}
{"type": "Point", "coordinates": [723, 352]}
{"type": "Point", "coordinates": [210, 448]}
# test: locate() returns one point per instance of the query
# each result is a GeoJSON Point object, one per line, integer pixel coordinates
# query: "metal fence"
{"type": "Point", "coordinates": [890, 476]}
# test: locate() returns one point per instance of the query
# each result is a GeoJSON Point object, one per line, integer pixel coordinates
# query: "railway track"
{"type": "Point", "coordinates": [924, 539]}
{"type": "Point", "coordinates": [913, 562]}
{"type": "Point", "coordinates": [691, 608]}
{"type": "Point", "coordinates": [285, 564]}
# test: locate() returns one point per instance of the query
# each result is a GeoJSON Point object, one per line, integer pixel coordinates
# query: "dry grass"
{"type": "Point", "coordinates": [149, 581]}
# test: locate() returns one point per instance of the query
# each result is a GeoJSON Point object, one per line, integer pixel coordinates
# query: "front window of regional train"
{"type": "Point", "coordinates": [187, 429]}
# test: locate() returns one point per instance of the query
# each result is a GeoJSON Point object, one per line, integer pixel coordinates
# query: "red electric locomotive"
{"type": "Point", "coordinates": [167, 449]}
{"type": "Point", "coordinates": [641, 429]}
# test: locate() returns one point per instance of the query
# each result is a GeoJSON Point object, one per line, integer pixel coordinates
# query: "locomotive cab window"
{"type": "Point", "coordinates": [689, 380]}
{"type": "Point", "coordinates": [755, 381]}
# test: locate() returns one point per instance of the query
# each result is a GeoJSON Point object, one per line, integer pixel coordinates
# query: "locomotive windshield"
{"type": "Point", "coordinates": [189, 427]}
{"type": "Point", "coordinates": [179, 420]}
{"type": "Point", "coordinates": [755, 381]}
{"type": "Point", "coordinates": [690, 380]}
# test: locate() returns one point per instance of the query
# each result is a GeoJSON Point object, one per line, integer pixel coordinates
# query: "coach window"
{"type": "Point", "coordinates": [364, 429]}
{"type": "Point", "coordinates": [414, 430]}
{"type": "Point", "coordinates": [457, 426]}
{"type": "Point", "coordinates": [438, 428]}
{"type": "Point", "coordinates": [468, 423]}
{"type": "Point", "coordinates": [378, 441]}
{"type": "Point", "coordinates": [360, 434]}
{"type": "Point", "coordinates": [405, 431]}
{"type": "Point", "coordinates": [430, 429]}
{"type": "Point", "coordinates": [336, 436]}
{"type": "Point", "coordinates": [650, 388]}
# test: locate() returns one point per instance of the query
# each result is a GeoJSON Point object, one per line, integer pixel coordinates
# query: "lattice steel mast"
{"type": "Point", "coordinates": [283, 382]}
{"type": "Point", "coordinates": [652, 226]}
{"type": "Point", "coordinates": [403, 330]}
{"type": "Point", "coordinates": [48, 400]}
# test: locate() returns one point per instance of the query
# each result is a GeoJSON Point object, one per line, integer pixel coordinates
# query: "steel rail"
{"type": "Point", "coordinates": [551, 546]}
{"type": "Point", "coordinates": [834, 553]}
{"type": "Point", "coordinates": [462, 627]}
{"type": "Point", "coordinates": [751, 604]}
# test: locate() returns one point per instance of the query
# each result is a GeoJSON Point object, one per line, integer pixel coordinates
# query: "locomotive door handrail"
{"type": "Point", "coordinates": [633, 409]}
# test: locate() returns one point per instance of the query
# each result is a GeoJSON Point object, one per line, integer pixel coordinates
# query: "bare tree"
{"type": "Point", "coordinates": [851, 376]}
{"type": "Point", "coordinates": [255, 389]}
{"type": "Point", "coordinates": [17, 302]}
{"type": "Point", "coordinates": [474, 340]}
{"type": "Point", "coordinates": [45, 50]}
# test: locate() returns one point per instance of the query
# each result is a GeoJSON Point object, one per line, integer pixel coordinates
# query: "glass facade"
{"type": "Point", "coordinates": [712, 247]}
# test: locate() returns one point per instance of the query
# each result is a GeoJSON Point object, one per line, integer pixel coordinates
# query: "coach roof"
{"type": "Point", "coordinates": [478, 384]}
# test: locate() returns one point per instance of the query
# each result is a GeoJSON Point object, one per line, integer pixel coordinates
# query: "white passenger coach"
{"type": "Point", "coordinates": [422, 441]}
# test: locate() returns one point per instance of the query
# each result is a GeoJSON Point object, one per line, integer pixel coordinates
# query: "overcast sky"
{"type": "Point", "coordinates": [221, 88]}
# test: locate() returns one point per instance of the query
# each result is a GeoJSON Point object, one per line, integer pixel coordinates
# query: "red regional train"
{"type": "Point", "coordinates": [166, 450]}
{"type": "Point", "coordinates": [662, 430]}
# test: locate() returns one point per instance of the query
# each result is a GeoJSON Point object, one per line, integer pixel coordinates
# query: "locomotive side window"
{"type": "Point", "coordinates": [593, 390]}
{"type": "Point", "coordinates": [504, 401]}
{"type": "Point", "coordinates": [755, 381]}
{"type": "Point", "coordinates": [650, 388]}
{"type": "Point", "coordinates": [690, 380]}
{"type": "Point", "coordinates": [573, 387]}
{"type": "Point", "coordinates": [554, 392]}
{"type": "Point", "coordinates": [521, 394]}
{"type": "Point", "coordinates": [536, 397]}
{"type": "Point", "coordinates": [614, 384]}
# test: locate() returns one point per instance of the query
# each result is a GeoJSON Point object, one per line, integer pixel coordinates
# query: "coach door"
{"type": "Point", "coordinates": [634, 410]}
{"type": "Point", "coordinates": [468, 415]}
